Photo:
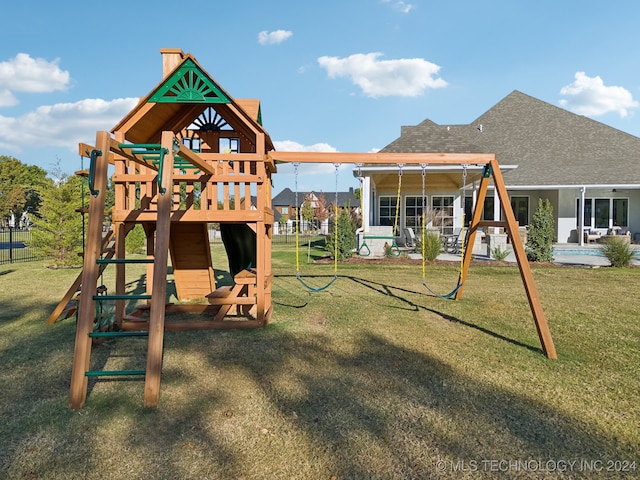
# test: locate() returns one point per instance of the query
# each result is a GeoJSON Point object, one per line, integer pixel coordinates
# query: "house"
{"type": "Point", "coordinates": [284, 206]}
{"type": "Point", "coordinates": [588, 171]}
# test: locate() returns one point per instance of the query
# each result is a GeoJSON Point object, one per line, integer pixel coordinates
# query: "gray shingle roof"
{"type": "Point", "coordinates": [550, 145]}
{"type": "Point", "coordinates": [287, 198]}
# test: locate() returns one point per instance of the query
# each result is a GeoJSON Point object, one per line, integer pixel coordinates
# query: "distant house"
{"type": "Point", "coordinates": [589, 171]}
{"type": "Point", "coordinates": [284, 206]}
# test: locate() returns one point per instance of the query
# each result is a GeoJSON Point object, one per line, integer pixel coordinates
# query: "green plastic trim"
{"type": "Point", "coordinates": [113, 373]}
{"type": "Point", "coordinates": [92, 171]}
{"type": "Point", "coordinates": [119, 334]}
{"type": "Point", "coordinates": [106, 261]}
{"type": "Point", "coordinates": [189, 84]}
{"type": "Point", "coordinates": [122, 297]}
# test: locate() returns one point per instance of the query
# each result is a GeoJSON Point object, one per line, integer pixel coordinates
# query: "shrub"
{"type": "Point", "coordinates": [346, 236]}
{"type": "Point", "coordinates": [617, 251]}
{"type": "Point", "coordinates": [432, 245]}
{"type": "Point", "coordinates": [59, 226]}
{"type": "Point", "coordinates": [499, 254]}
{"type": "Point", "coordinates": [541, 233]}
{"type": "Point", "coordinates": [136, 241]}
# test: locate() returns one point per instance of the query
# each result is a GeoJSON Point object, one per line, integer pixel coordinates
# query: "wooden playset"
{"type": "Point", "coordinates": [186, 156]}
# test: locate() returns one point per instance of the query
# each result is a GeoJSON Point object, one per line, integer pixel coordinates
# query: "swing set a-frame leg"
{"type": "Point", "coordinates": [492, 171]}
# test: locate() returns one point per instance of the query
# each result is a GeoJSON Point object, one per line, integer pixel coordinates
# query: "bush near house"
{"type": "Point", "coordinates": [617, 251]}
{"type": "Point", "coordinates": [541, 233]}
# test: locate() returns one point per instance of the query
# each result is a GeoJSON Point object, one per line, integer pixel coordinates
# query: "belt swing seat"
{"type": "Point", "coordinates": [463, 245]}
{"type": "Point", "coordinates": [335, 231]}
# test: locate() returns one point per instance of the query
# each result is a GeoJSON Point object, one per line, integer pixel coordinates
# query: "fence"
{"type": "Point", "coordinates": [14, 245]}
{"type": "Point", "coordinates": [283, 239]}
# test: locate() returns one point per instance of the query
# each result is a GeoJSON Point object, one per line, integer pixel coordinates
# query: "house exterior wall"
{"type": "Point", "coordinates": [563, 200]}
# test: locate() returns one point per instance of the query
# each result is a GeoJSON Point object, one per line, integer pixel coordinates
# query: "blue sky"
{"type": "Point", "coordinates": [331, 76]}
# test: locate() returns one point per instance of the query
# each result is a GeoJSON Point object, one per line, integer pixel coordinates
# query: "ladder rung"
{"type": "Point", "coordinates": [122, 297]}
{"type": "Point", "coordinates": [119, 334]}
{"type": "Point", "coordinates": [123, 260]}
{"type": "Point", "coordinates": [113, 373]}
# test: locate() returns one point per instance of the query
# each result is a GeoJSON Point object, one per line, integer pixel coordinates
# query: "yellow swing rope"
{"type": "Point", "coordinates": [335, 229]}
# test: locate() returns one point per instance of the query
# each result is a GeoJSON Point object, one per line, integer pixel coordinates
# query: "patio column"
{"type": "Point", "coordinates": [366, 202]}
{"type": "Point", "coordinates": [581, 215]}
{"type": "Point", "coordinates": [497, 213]}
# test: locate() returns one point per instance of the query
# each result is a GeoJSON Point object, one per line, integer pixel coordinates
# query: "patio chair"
{"type": "Point", "coordinates": [409, 237]}
{"type": "Point", "coordinates": [452, 243]}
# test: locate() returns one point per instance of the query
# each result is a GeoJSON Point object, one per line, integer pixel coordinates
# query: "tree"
{"type": "Point", "coordinates": [307, 211]}
{"type": "Point", "coordinates": [58, 232]}
{"type": "Point", "coordinates": [320, 211]}
{"type": "Point", "coordinates": [346, 233]}
{"type": "Point", "coordinates": [19, 188]}
{"type": "Point", "coordinates": [541, 233]}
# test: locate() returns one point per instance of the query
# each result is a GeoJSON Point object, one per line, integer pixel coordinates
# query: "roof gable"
{"type": "Point", "coordinates": [185, 94]}
{"type": "Point", "coordinates": [189, 84]}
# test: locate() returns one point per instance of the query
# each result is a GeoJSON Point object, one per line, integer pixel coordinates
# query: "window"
{"type": "Point", "coordinates": [520, 207]}
{"type": "Point", "coordinates": [192, 143]}
{"type": "Point", "coordinates": [487, 211]}
{"type": "Point", "coordinates": [284, 210]}
{"type": "Point", "coordinates": [229, 145]}
{"type": "Point", "coordinates": [602, 212]}
{"type": "Point", "coordinates": [442, 207]}
{"type": "Point", "coordinates": [413, 211]}
{"type": "Point", "coordinates": [587, 212]}
{"type": "Point", "coordinates": [387, 211]}
{"type": "Point", "coordinates": [621, 212]}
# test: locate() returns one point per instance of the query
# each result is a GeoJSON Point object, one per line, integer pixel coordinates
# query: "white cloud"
{"type": "Point", "coordinates": [405, 77]}
{"type": "Point", "coordinates": [399, 5]}
{"type": "Point", "coordinates": [64, 124]}
{"type": "Point", "coordinates": [32, 75]}
{"type": "Point", "coordinates": [291, 146]}
{"type": "Point", "coordinates": [273, 38]}
{"type": "Point", "coordinates": [589, 96]}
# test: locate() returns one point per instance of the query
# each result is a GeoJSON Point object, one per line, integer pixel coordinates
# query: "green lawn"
{"type": "Point", "coordinates": [372, 378]}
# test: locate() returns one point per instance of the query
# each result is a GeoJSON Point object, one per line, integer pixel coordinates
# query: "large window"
{"type": "Point", "coordinates": [413, 211]}
{"type": "Point", "coordinates": [487, 211]}
{"type": "Point", "coordinates": [442, 207]}
{"type": "Point", "coordinates": [520, 207]}
{"type": "Point", "coordinates": [621, 212]}
{"type": "Point", "coordinates": [604, 212]}
{"type": "Point", "coordinates": [387, 211]}
{"type": "Point", "coordinates": [229, 145]}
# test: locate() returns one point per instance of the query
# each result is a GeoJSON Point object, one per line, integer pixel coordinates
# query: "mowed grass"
{"type": "Point", "coordinates": [372, 378]}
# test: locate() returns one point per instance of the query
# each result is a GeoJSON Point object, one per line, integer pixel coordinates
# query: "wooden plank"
{"type": "Point", "coordinates": [196, 325]}
{"type": "Point", "coordinates": [84, 150]}
{"type": "Point", "coordinates": [195, 159]}
{"type": "Point", "coordinates": [90, 270]}
{"type": "Point", "coordinates": [159, 292]}
{"type": "Point", "coordinates": [523, 263]}
{"type": "Point", "coordinates": [208, 216]}
{"type": "Point", "coordinates": [384, 158]}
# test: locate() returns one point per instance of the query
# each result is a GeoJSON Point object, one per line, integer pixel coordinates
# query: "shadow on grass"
{"type": "Point", "coordinates": [401, 294]}
{"type": "Point", "coordinates": [360, 407]}
{"type": "Point", "coordinates": [384, 411]}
